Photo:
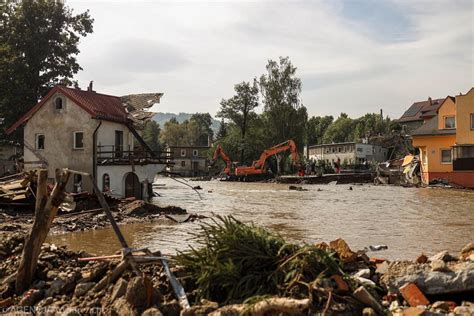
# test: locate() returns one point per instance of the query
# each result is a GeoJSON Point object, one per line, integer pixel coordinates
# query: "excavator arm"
{"type": "Point", "coordinates": [257, 166]}
{"type": "Point", "coordinates": [288, 145]}
{"type": "Point", "coordinates": [220, 153]}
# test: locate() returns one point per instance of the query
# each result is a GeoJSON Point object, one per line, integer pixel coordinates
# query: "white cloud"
{"type": "Point", "coordinates": [195, 52]}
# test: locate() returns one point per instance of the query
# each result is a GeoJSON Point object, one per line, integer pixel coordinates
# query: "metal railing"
{"type": "Point", "coordinates": [112, 155]}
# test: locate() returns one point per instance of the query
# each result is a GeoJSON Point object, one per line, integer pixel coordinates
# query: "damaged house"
{"type": "Point", "coordinates": [95, 133]}
{"type": "Point", "coordinates": [446, 142]}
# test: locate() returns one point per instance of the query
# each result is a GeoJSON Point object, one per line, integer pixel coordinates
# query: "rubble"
{"type": "Point", "coordinates": [68, 281]}
{"type": "Point", "coordinates": [126, 212]}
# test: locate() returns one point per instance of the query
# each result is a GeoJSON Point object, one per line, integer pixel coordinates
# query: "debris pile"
{"type": "Point", "coordinates": [18, 190]}
{"type": "Point", "coordinates": [65, 282]}
{"type": "Point", "coordinates": [241, 270]}
{"type": "Point", "coordinates": [127, 212]}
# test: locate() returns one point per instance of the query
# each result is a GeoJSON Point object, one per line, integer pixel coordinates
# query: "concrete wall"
{"type": "Point", "coordinates": [462, 178]}
{"type": "Point", "coordinates": [58, 127]}
{"type": "Point", "coordinates": [118, 173]}
{"type": "Point", "coordinates": [430, 152]}
{"type": "Point", "coordinates": [7, 151]}
{"type": "Point", "coordinates": [464, 109]}
{"type": "Point", "coordinates": [192, 166]}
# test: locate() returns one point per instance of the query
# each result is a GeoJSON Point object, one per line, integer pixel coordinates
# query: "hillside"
{"type": "Point", "coordinates": [161, 118]}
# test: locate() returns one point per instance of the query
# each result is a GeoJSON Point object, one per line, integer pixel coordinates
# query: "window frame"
{"type": "Point", "coordinates": [472, 121]}
{"type": "Point", "coordinates": [195, 153]}
{"type": "Point", "coordinates": [74, 144]}
{"type": "Point", "coordinates": [451, 156]}
{"type": "Point", "coordinates": [183, 163]}
{"type": "Point", "coordinates": [454, 120]}
{"type": "Point", "coordinates": [37, 137]}
{"type": "Point", "coordinates": [56, 104]}
{"type": "Point", "coordinates": [183, 152]}
{"type": "Point", "coordinates": [104, 187]}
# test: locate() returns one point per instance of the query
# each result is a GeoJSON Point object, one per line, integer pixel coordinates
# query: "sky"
{"type": "Point", "coordinates": [353, 56]}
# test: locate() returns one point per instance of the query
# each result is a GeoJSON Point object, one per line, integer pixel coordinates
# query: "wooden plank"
{"type": "Point", "coordinates": [46, 209]}
{"type": "Point", "coordinates": [19, 197]}
{"type": "Point", "coordinates": [13, 186]}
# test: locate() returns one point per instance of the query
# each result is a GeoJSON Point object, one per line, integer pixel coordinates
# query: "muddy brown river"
{"type": "Point", "coordinates": [408, 220]}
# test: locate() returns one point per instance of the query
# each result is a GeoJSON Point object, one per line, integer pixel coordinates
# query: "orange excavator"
{"type": "Point", "coordinates": [258, 166]}
{"type": "Point", "coordinates": [228, 162]}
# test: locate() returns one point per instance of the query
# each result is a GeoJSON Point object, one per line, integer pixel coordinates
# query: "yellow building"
{"type": "Point", "coordinates": [446, 142]}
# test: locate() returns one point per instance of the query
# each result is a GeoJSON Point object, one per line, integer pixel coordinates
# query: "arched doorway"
{"type": "Point", "coordinates": [133, 186]}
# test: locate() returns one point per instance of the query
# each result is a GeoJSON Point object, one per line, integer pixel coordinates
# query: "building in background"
{"type": "Point", "coordinates": [350, 153]}
{"type": "Point", "coordinates": [446, 142]}
{"type": "Point", "coordinates": [418, 113]}
{"type": "Point", "coordinates": [189, 161]}
{"type": "Point", "coordinates": [9, 153]}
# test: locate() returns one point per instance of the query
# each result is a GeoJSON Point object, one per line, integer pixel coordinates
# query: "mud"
{"type": "Point", "coordinates": [128, 212]}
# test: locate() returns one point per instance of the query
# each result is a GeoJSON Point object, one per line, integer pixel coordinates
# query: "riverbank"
{"type": "Point", "coordinates": [348, 282]}
{"type": "Point", "coordinates": [126, 212]}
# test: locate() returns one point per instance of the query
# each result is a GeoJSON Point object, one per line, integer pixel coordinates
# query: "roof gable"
{"type": "Point", "coordinates": [421, 110]}
{"type": "Point", "coordinates": [430, 128]}
{"type": "Point", "coordinates": [100, 106]}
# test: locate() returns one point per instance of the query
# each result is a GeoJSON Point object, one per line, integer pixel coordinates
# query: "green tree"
{"type": "Point", "coordinates": [222, 132]}
{"type": "Point", "coordinates": [254, 141]}
{"type": "Point", "coordinates": [39, 45]}
{"type": "Point", "coordinates": [316, 127]}
{"type": "Point", "coordinates": [285, 117]}
{"type": "Point", "coordinates": [151, 135]}
{"type": "Point", "coordinates": [339, 131]}
{"type": "Point", "coordinates": [185, 134]}
{"type": "Point", "coordinates": [203, 122]}
{"type": "Point", "coordinates": [240, 108]}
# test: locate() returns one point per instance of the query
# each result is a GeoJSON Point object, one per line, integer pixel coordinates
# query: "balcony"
{"type": "Point", "coordinates": [463, 158]}
{"type": "Point", "coordinates": [112, 155]}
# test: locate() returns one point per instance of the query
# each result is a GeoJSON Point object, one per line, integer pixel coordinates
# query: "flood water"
{"type": "Point", "coordinates": [408, 220]}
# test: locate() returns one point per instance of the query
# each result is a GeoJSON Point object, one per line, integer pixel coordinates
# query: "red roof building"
{"type": "Point", "coordinates": [99, 106]}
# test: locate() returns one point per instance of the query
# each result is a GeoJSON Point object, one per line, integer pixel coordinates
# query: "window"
{"type": "Point", "coordinates": [195, 152]}
{"type": "Point", "coordinates": [58, 104]}
{"type": "Point", "coordinates": [78, 140]}
{"type": "Point", "coordinates": [77, 183]}
{"type": "Point", "coordinates": [183, 163]}
{"type": "Point", "coordinates": [472, 121]}
{"type": "Point", "coordinates": [39, 141]}
{"type": "Point", "coordinates": [105, 183]}
{"type": "Point", "coordinates": [183, 152]}
{"type": "Point", "coordinates": [118, 144]}
{"type": "Point", "coordinates": [359, 149]}
{"type": "Point", "coordinates": [449, 122]}
{"type": "Point", "coordinates": [446, 156]}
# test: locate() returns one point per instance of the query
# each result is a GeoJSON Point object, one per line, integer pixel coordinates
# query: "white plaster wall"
{"type": "Point", "coordinates": [106, 136]}
{"type": "Point", "coordinates": [58, 127]}
{"type": "Point", "coordinates": [117, 175]}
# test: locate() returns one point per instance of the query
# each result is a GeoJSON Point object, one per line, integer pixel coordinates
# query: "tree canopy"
{"type": "Point", "coordinates": [38, 49]}
{"type": "Point", "coordinates": [240, 109]}
{"type": "Point", "coordinates": [285, 116]}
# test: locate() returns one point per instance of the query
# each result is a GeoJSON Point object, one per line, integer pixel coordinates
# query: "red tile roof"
{"type": "Point", "coordinates": [100, 106]}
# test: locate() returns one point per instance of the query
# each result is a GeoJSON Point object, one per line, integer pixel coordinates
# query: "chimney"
{"type": "Point", "coordinates": [429, 99]}
{"type": "Point", "coordinates": [89, 88]}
